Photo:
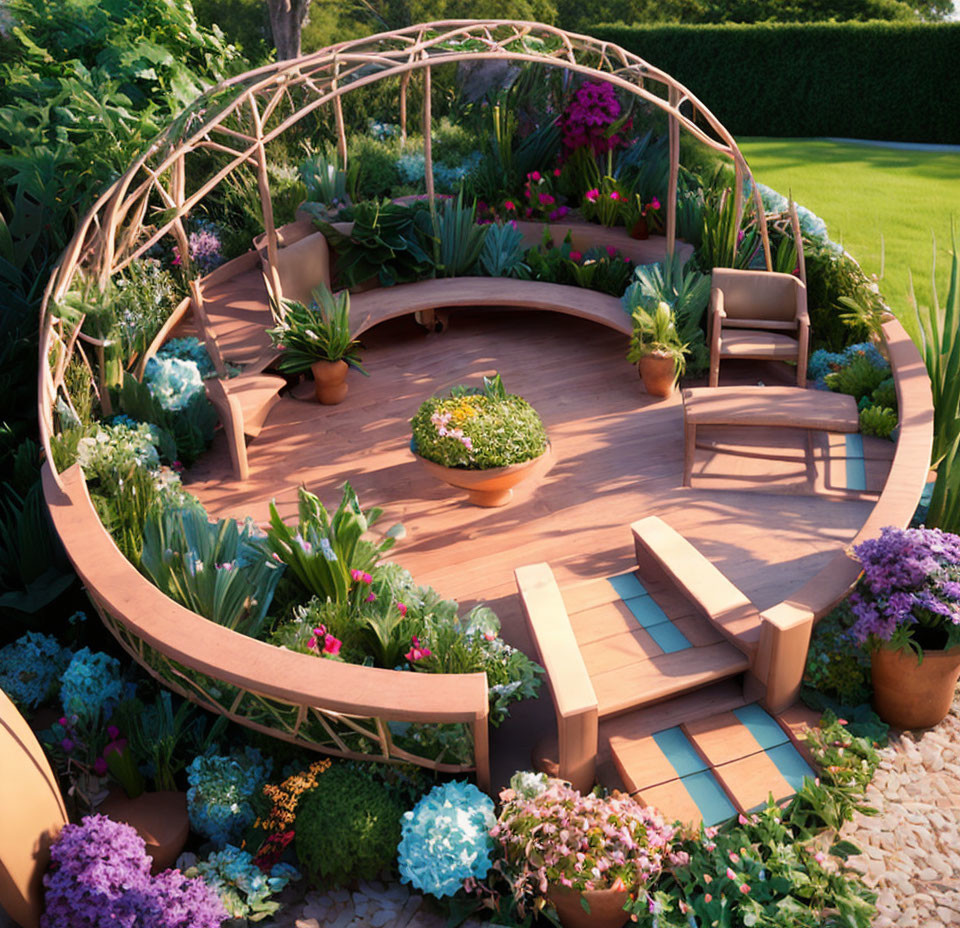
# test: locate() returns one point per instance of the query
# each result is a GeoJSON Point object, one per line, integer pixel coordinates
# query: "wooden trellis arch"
{"type": "Point", "coordinates": [241, 116]}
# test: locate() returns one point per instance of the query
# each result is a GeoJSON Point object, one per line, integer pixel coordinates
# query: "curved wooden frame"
{"type": "Point", "coordinates": [238, 119]}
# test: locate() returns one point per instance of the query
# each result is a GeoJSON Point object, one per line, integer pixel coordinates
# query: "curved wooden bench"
{"type": "Point", "coordinates": [372, 307]}
{"type": "Point", "coordinates": [160, 633]}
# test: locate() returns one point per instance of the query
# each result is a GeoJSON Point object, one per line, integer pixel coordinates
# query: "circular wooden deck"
{"type": "Point", "coordinates": [617, 457]}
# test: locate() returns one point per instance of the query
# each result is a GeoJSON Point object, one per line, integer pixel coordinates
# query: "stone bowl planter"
{"type": "Point", "coordinates": [489, 488]}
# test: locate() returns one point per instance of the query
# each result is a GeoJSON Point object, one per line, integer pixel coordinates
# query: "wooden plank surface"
{"type": "Point", "coordinates": [782, 407]}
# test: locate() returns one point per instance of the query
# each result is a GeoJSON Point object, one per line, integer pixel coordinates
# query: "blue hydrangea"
{"type": "Point", "coordinates": [91, 684]}
{"type": "Point", "coordinates": [173, 381]}
{"type": "Point", "coordinates": [221, 789]}
{"type": "Point", "coordinates": [243, 888]}
{"type": "Point", "coordinates": [31, 667]}
{"type": "Point", "coordinates": [189, 349]}
{"type": "Point", "coordinates": [446, 839]}
{"type": "Point", "coordinates": [411, 166]}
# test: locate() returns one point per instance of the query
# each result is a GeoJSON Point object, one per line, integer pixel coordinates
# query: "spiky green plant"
{"type": "Point", "coordinates": [935, 331]}
{"type": "Point", "coordinates": [457, 240]}
{"type": "Point", "coordinates": [656, 332]}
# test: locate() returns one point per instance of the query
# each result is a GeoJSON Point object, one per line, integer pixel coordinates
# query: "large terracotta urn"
{"type": "Point", "coordinates": [605, 907]}
{"type": "Point", "coordinates": [908, 694]}
{"type": "Point", "coordinates": [491, 487]}
{"type": "Point", "coordinates": [330, 381]}
{"type": "Point", "coordinates": [31, 816]}
{"type": "Point", "coordinates": [659, 373]}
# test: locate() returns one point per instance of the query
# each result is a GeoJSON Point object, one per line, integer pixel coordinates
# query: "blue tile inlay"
{"type": "Point", "coordinates": [709, 796]}
{"type": "Point", "coordinates": [762, 726]}
{"type": "Point", "coordinates": [791, 764]}
{"type": "Point", "coordinates": [856, 470]}
{"type": "Point", "coordinates": [679, 751]}
{"type": "Point", "coordinates": [646, 611]}
{"type": "Point", "coordinates": [668, 637]}
{"type": "Point", "coordinates": [627, 586]}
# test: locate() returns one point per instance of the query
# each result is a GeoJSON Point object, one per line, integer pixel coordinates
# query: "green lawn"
{"type": "Point", "coordinates": [864, 192]}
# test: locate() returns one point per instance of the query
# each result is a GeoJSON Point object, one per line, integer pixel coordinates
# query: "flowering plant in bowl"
{"type": "Point", "coordinates": [486, 430]}
{"type": "Point", "coordinates": [552, 836]}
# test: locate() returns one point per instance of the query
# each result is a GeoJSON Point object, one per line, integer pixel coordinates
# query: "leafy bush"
{"type": "Point", "coordinates": [100, 875]}
{"type": "Point", "coordinates": [885, 394]}
{"type": "Point", "coordinates": [347, 827]}
{"type": "Point", "coordinates": [478, 430]}
{"type": "Point", "coordinates": [221, 793]}
{"type": "Point", "coordinates": [879, 421]}
{"type": "Point", "coordinates": [836, 665]}
{"type": "Point", "coordinates": [212, 568]}
{"type": "Point", "coordinates": [242, 886]}
{"type": "Point", "coordinates": [445, 839]}
{"type": "Point", "coordinates": [858, 379]}
{"type": "Point", "coordinates": [91, 684]}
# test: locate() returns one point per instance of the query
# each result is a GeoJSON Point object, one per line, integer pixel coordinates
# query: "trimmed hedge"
{"type": "Point", "coordinates": [877, 80]}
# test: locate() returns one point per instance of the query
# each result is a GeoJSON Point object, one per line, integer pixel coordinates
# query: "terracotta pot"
{"type": "Point", "coordinates": [330, 381]}
{"type": "Point", "coordinates": [606, 907]}
{"type": "Point", "coordinates": [907, 695]}
{"type": "Point", "coordinates": [159, 818]}
{"type": "Point", "coordinates": [640, 229]}
{"type": "Point", "coordinates": [659, 373]}
{"type": "Point", "coordinates": [491, 487]}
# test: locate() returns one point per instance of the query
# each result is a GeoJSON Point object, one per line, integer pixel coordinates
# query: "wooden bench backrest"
{"type": "Point", "coordinates": [758, 294]}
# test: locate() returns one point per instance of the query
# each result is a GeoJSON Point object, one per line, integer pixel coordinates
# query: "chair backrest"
{"type": "Point", "coordinates": [757, 294]}
{"type": "Point", "coordinates": [303, 265]}
{"type": "Point", "coordinates": [32, 813]}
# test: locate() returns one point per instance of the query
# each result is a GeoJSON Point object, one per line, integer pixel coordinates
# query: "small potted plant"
{"type": "Point", "coordinates": [318, 338]}
{"type": "Point", "coordinates": [907, 610]}
{"type": "Point", "coordinates": [587, 856]}
{"type": "Point", "coordinates": [656, 348]}
{"type": "Point", "coordinates": [636, 216]}
{"type": "Point", "coordinates": [484, 441]}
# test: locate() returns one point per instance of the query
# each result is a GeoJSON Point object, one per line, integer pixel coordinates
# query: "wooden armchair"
{"type": "Point", "coordinates": [759, 316]}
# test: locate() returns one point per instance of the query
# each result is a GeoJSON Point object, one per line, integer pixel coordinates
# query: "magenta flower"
{"type": "Point", "coordinates": [68, 745]}
{"type": "Point", "coordinates": [654, 203]}
{"type": "Point", "coordinates": [402, 609]}
{"type": "Point", "coordinates": [535, 176]}
{"type": "Point", "coordinates": [591, 196]}
{"type": "Point", "coordinates": [614, 195]}
{"type": "Point", "coordinates": [730, 874]}
{"type": "Point", "coordinates": [510, 206]}
{"type": "Point", "coordinates": [371, 598]}
{"type": "Point", "coordinates": [100, 767]}
{"type": "Point", "coordinates": [557, 172]}
{"type": "Point", "coordinates": [361, 576]}
{"type": "Point", "coordinates": [575, 255]}
{"type": "Point", "coordinates": [417, 652]}
{"type": "Point", "coordinates": [331, 645]}
{"type": "Point", "coordinates": [547, 199]}
{"type": "Point", "coordinates": [611, 251]}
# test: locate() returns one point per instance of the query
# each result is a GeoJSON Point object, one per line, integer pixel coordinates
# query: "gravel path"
{"type": "Point", "coordinates": [911, 850]}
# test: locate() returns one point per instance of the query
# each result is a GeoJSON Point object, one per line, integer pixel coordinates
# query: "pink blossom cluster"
{"type": "Point", "coordinates": [582, 842]}
{"type": "Point", "coordinates": [441, 421]}
{"type": "Point", "coordinates": [588, 116]}
{"type": "Point", "coordinates": [324, 643]}
{"type": "Point", "coordinates": [417, 651]}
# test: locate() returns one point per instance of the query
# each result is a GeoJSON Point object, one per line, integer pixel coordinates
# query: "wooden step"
{"type": "Point", "coordinates": [708, 767]}
{"type": "Point", "coordinates": [654, 679]}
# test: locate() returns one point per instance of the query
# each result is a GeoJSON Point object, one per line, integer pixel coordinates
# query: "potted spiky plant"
{"type": "Point", "coordinates": [318, 338]}
{"type": "Point", "coordinates": [657, 349]}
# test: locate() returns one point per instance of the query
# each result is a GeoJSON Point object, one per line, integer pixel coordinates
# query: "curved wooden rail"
{"type": "Point", "coordinates": [145, 620]}
{"type": "Point", "coordinates": [786, 627]}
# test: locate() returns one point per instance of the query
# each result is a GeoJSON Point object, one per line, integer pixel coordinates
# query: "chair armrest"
{"type": "Point", "coordinates": [803, 334]}
{"type": "Point", "coordinates": [717, 315]}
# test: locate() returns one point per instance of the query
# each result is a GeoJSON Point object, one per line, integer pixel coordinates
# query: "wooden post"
{"type": "Point", "coordinates": [266, 203]}
{"type": "Point", "coordinates": [674, 170]}
{"type": "Point", "coordinates": [404, 83]}
{"type": "Point", "coordinates": [338, 115]}
{"type": "Point", "coordinates": [762, 222]}
{"type": "Point", "coordinates": [738, 193]}
{"type": "Point", "coordinates": [481, 752]}
{"type": "Point", "coordinates": [427, 140]}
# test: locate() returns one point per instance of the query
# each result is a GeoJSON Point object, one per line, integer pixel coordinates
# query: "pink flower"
{"type": "Point", "coordinates": [591, 196]}
{"type": "Point", "coordinates": [575, 256]}
{"type": "Point", "coordinates": [557, 172]}
{"type": "Point", "coordinates": [62, 721]}
{"type": "Point", "coordinates": [331, 645]}
{"type": "Point", "coordinates": [546, 199]}
{"type": "Point", "coordinates": [490, 636]}
{"type": "Point", "coordinates": [730, 874]}
{"type": "Point", "coordinates": [510, 206]}
{"type": "Point", "coordinates": [117, 746]}
{"type": "Point", "coordinates": [371, 597]}
{"type": "Point", "coordinates": [742, 819]}
{"type": "Point", "coordinates": [744, 888]}
{"type": "Point", "coordinates": [100, 767]}
{"type": "Point", "coordinates": [68, 745]}
{"type": "Point", "coordinates": [820, 857]}
{"type": "Point", "coordinates": [535, 176]}
{"type": "Point", "coordinates": [654, 203]}
{"type": "Point", "coordinates": [417, 652]}
{"type": "Point", "coordinates": [401, 608]}
{"type": "Point", "coordinates": [708, 897]}
{"type": "Point", "coordinates": [734, 857]}
{"type": "Point", "coordinates": [611, 251]}
{"type": "Point", "coordinates": [113, 732]}
{"type": "Point", "coordinates": [614, 195]}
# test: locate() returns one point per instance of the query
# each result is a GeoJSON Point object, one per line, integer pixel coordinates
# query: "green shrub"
{"type": "Point", "coordinates": [837, 666]}
{"type": "Point", "coordinates": [879, 421]}
{"type": "Point", "coordinates": [858, 379]}
{"type": "Point", "coordinates": [347, 827]}
{"type": "Point", "coordinates": [843, 85]}
{"type": "Point", "coordinates": [885, 394]}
